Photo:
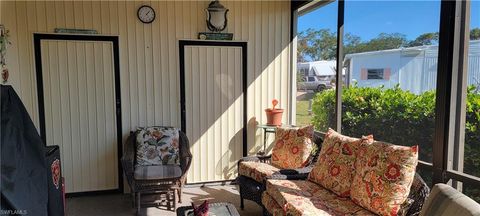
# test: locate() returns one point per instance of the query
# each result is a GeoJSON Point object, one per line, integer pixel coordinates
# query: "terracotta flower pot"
{"type": "Point", "coordinates": [274, 116]}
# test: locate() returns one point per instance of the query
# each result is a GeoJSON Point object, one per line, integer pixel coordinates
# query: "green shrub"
{"type": "Point", "coordinates": [399, 117]}
{"type": "Point", "coordinates": [472, 140]}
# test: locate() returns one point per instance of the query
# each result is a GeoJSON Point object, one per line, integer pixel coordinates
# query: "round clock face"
{"type": "Point", "coordinates": [146, 14]}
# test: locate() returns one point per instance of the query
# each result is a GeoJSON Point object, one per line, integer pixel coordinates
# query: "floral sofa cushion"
{"type": "Point", "coordinates": [256, 170]}
{"type": "Point", "coordinates": [292, 147]}
{"type": "Point", "coordinates": [334, 169]}
{"type": "Point", "coordinates": [300, 197]}
{"type": "Point", "coordinates": [383, 176]}
{"type": "Point", "coordinates": [271, 205]}
{"type": "Point", "coordinates": [157, 146]}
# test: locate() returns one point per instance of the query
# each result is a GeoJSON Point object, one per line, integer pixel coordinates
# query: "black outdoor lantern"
{"type": "Point", "coordinates": [216, 16]}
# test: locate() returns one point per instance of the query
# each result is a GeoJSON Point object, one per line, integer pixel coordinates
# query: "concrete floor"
{"type": "Point", "coordinates": [121, 204]}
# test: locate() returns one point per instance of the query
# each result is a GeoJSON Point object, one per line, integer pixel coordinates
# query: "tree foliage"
{"type": "Point", "coordinates": [425, 39]}
{"type": "Point", "coordinates": [475, 34]}
{"type": "Point", "coordinates": [385, 41]}
{"type": "Point", "coordinates": [316, 45]}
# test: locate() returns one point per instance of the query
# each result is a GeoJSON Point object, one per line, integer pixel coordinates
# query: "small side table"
{"type": "Point", "coordinates": [266, 129]}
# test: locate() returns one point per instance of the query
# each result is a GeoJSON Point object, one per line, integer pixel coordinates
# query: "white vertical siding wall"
{"type": "Point", "coordinates": [80, 112]}
{"type": "Point", "coordinates": [410, 77]}
{"type": "Point", "coordinates": [474, 63]}
{"type": "Point", "coordinates": [214, 111]}
{"type": "Point", "coordinates": [149, 53]}
{"type": "Point", "coordinates": [474, 75]}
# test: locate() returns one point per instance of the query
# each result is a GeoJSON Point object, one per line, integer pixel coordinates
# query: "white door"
{"type": "Point", "coordinates": [214, 111]}
{"type": "Point", "coordinates": [79, 101]}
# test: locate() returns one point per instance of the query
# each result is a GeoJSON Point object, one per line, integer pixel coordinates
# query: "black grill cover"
{"type": "Point", "coordinates": [24, 184]}
{"type": "Point", "coordinates": [54, 179]}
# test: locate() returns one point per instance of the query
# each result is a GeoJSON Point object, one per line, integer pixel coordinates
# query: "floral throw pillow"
{"type": "Point", "coordinates": [292, 147]}
{"type": "Point", "coordinates": [157, 146]}
{"type": "Point", "coordinates": [383, 176]}
{"type": "Point", "coordinates": [335, 166]}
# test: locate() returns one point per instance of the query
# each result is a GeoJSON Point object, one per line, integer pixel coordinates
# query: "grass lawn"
{"type": "Point", "coordinates": [302, 113]}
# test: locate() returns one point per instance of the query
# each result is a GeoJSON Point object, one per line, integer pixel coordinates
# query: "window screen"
{"type": "Point", "coordinates": [375, 74]}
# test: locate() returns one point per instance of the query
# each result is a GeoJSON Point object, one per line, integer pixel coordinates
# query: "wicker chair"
{"type": "Point", "coordinates": [167, 182]}
{"type": "Point", "coordinates": [252, 190]}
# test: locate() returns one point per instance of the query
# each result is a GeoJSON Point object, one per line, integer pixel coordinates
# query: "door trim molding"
{"type": "Point", "coordinates": [37, 38]}
{"type": "Point", "coordinates": [243, 45]}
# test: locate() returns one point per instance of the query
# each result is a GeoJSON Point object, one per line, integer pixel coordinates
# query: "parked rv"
{"type": "Point", "coordinates": [316, 75]}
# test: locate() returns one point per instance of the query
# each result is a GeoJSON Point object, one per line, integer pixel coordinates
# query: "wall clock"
{"type": "Point", "coordinates": [146, 14]}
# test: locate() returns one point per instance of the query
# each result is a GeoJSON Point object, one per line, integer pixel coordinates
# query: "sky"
{"type": "Point", "coordinates": [367, 19]}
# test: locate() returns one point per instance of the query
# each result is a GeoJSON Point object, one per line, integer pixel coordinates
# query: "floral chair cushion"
{"type": "Point", "coordinates": [157, 146]}
{"type": "Point", "coordinates": [271, 205]}
{"type": "Point", "coordinates": [383, 176]}
{"type": "Point", "coordinates": [292, 147]}
{"type": "Point", "coordinates": [335, 166]}
{"type": "Point", "coordinates": [300, 197]}
{"type": "Point", "coordinates": [256, 170]}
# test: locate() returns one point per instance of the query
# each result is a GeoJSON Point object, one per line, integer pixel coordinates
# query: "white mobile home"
{"type": "Point", "coordinates": [414, 68]}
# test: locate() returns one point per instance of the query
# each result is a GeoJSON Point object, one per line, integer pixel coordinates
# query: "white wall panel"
{"type": "Point", "coordinates": [217, 114]}
{"type": "Point", "coordinates": [149, 67]}
{"type": "Point", "coordinates": [80, 112]}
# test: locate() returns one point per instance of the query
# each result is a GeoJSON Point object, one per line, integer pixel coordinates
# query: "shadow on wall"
{"type": "Point", "coordinates": [230, 171]}
{"type": "Point", "coordinates": [252, 126]}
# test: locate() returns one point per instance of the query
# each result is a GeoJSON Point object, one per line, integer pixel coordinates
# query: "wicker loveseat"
{"type": "Point", "coordinates": [252, 189]}
{"type": "Point", "coordinates": [328, 201]}
{"type": "Point", "coordinates": [275, 184]}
